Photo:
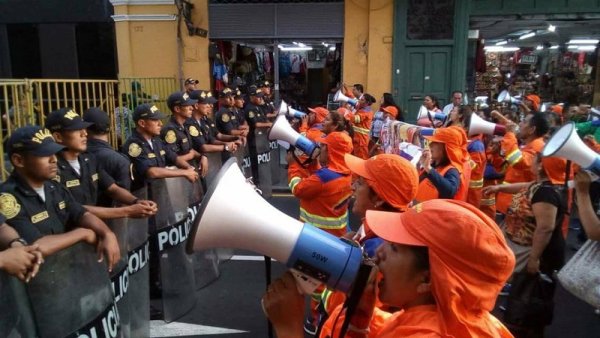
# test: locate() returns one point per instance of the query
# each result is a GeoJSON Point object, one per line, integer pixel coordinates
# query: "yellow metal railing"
{"type": "Point", "coordinates": [28, 102]}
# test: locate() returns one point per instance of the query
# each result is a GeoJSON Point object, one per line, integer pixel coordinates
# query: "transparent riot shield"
{"type": "Point", "coordinates": [119, 277]}
{"type": "Point", "coordinates": [275, 166]}
{"type": "Point", "coordinates": [17, 317]}
{"type": "Point", "coordinates": [172, 229]}
{"type": "Point", "coordinates": [242, 154]}
{"type": "Point", "coordinates": [214, 164]}
{"type": "Point", "coordinates": [72, 295]}
{"type": "Point", "coordinates": [261, 162]}
{"type": "Point", "coordinates": [138, 255]}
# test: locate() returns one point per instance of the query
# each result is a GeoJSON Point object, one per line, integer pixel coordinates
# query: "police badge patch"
{"type": "Point", "coordinates": [134, 150]}
{"type": "Point", "coordinates": [251, 114]}
{"type": "Point", "coordinates": [9, 206]}
{"type": "Point", "coordinates": [170, 137]}
{"type": "Point", "coordinates": [194, 131]}
{"type": "Point", "coordinates": [225, 118]}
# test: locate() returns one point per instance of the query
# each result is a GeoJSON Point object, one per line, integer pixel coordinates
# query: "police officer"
{"type": "Point", "coordinates": [227, 121]}
{"type": "Point", "coordinates": [256, 110]}
{"type": "Point", "coordinates": [174, 134]}
{"type": "Point", "coordinates": [81, 174]}
{"type": "Point", "coordinates": [114, 163]}
{"type": "Point", "coordinates": [17, 258]}
{"type": "Point", "coordinates": [238, 110]}
{"type": "Point", "coordinates": [269, 109]}
{"type": "Point", "coordinates": [42, 211]}
{"type": "Point", "coordinates": [190, 85]}
{"type": "Point", "coordinates": [199, 126]}
{"type": "Point", "coordinates": [147, 152]}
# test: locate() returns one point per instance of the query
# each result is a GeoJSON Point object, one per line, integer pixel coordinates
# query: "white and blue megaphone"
{"type": "Point", "coordinates": [340, 97]}
{"type": "Point", "coordinates": [314, 256]}
{"type": "Point", "coordinates": [438, 116]}
{"type": "Point", "coordinates": [282, 131]}
{"type": "Point", "coordinates": [566, 143]}
{"type": "Point", "coordinates": [477, 125]}
{"type": "Point", "coordinates": [504, 96]}
{"type": "Point", "coordinates": [285, 109]}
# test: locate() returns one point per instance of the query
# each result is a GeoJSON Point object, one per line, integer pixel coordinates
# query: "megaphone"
{"type": "Point", "coordinates": [504, 96]}
{"type": "Point", "coordinates": [285, 109]}
{"type": "Point", "coordinates": [282, 131]}
{"type": "Point", "coordinates": [437, 116]}
{"type": "Point", "coordinates": [566, 143]}
{"type": "Point", "coordinates": [261, 228]}
{"type": "Point", "coordinates": [481, 126]}
{"type": "Point", "coordinates": [340, 97]}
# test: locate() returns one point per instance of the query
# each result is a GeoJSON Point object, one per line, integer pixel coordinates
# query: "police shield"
{"type": "Point", "coordinates": [17, 318]}
{"type": "Point", "coordinates": [261, 161]}
{"type": "Point", "coordinates": [119, 277]}
{"type": "Point", "coordinates": [138, 257]}
{"type": "Point", "coordinates": [214, 165]}
{"type": "Point", "coordinates": [275, 159]}
{"type": "Point", "coordinates": [176, 268]}
{"type": "Point", "coordinates": [72, 295]}
{"type": "Point", "coordinates": [242, 154]}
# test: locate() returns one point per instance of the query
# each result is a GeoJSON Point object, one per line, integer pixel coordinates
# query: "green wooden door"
{"type": "Point", "coordinates": [427, 71]}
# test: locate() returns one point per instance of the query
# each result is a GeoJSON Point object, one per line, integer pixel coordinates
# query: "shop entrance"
{"type": "Point", "coordinates": [302, 72]}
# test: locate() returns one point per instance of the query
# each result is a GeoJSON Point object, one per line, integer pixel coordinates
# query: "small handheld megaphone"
{"type": "Point", "coordinates": [261, 228]}
{"type": "Point", "coordinates": [504, 96]}
{"type": "Point", "coordinates": [282, 131]}
{"type": "Point", "coordinates": [340, 97]}
{"type": "Point", "coordinates": [438, 116]}
{"type": "Point", "coordinates": [481, 126]}
{"type": "Point", "coordinates": [566, 143]}
{"type": "Point", "coordinates": [285, 109]}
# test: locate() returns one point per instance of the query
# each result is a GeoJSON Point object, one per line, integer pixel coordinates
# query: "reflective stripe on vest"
{"type": "Point", "coordinates": [361, 130]}
{"type": "Point", "coordinates": [476, 184]}
{"type": "Point", "coordinates": [293, 183]}
{"type": "Point", "coordinates": [487, 201]}
{"type": "Point", "coordinates": [514, 157]}
{"type": "Point", "coordinates": [356, 118]}
{"type": "Point", "coordinates": [324, 222]}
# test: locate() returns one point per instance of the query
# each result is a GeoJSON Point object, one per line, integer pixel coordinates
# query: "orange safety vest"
{"type": "Point", "coordinates": [477, 153]}
{"type": "Point", "coordinates": [361, 124]}
{"type": "Point", "coordinates": [427, 191]}
{"type": "Point", "coordinates": [520, 162]}
{"type": "Point", "coordinates": [324, 198]}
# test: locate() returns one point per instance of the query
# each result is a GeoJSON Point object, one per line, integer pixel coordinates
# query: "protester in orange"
{"type": "Point", "coordinates": [531, 104]}
{"type": "Point", "coordinates": [495, 168]}
{"type": "Point", "coordinates": [461, 117]}
{"type": "Point", "coordinates": [531, 131]}
{"type": "Point", "coordinates": [445, 169]}
{"type": "Point", "coordinates": [385, 182]}
{"type": "Point", "coordinates": [312, 128]}
{"type": "Point", "coordinates": [361, 124]}
{"type": "Point", "coordinates": [445, 282]}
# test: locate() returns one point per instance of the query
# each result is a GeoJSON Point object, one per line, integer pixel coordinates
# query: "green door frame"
{"type": "Point", "coordinates": [458, 44]}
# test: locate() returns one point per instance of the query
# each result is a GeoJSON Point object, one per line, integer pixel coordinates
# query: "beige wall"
{"type": "Point", "coordinates": [368, 45]}
{"type": "Point", "coordinates": [151, 49]}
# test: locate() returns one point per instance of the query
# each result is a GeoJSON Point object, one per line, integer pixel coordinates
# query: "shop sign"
{"type": "Point", "coordinates": [528, 59]}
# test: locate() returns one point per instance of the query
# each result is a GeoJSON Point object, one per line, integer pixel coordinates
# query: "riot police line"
{"type": "Point", "coordinates": [75, 296]}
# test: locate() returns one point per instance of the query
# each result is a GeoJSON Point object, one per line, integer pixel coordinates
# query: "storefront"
{"type": "Point", "coordinates": [296, 46]}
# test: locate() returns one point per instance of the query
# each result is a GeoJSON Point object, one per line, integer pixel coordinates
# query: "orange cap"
{"type": "Point", "coordinates": [320, 113]}
{"type": "Point", "coordinates": [338, 145]}
{"type": "Point", "coordinates": [455, 142]}
{"type": "Point", "coordinates": [469, 258]}
{"type": "Point", "coordinates": [558, 109]}
{"type": "Point", "coordinates": [535, 99]}
{"type": "Point", "coordinates": [391, 110]}
{"type": "Point", "coordinates": [392, 177]}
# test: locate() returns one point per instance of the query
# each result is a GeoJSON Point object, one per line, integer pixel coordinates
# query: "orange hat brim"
{"type": "Point", "coordinates": [390, 226]}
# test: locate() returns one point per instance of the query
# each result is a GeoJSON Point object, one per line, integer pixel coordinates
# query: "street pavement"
{"type": "Point", "coordinates": [230, 306]}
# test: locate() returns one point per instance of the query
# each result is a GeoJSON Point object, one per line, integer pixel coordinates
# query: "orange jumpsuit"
{"type": "Point", "coordinates": [476, 151]}
{"type": "Point", "coordinates": [361, 124]}
{"type": "Point", "coordinates": [520, 162]}
{"type": "Point", "coordinates": [497, 166]}
{"type": "Point", "coordinates": [427, 191]}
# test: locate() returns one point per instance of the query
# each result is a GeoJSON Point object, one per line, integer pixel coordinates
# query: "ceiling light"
{"type": "Point", "coordinates": [554, 47]}
{"type": "Point", "coordinates": [583, 41]}
{"type": "Point", "coordinates": [588, 48]}
{"type": "Point", "coordinates": [500, 49]}
{"type": "Point", "coordinates": [301, 44]}
{"type": "Point", "coordinates": [295, 43]}
{"type": "Point", "coordinates": [551, 28]}
{"type": "Point", "coordinates": [526, 36]}
{"type": "Point", "coordinates": [332, 48]}
{"type": "Point", "coordinates": [573, 47]}
{"type": "Point", "coordinates": [325, 44]}
{"type": "Point", "coordinates": [539, 47]}
{"type": "Point", "coordinates": [289, 49]}
{"type": "Point", "coordinates": [503, 42]}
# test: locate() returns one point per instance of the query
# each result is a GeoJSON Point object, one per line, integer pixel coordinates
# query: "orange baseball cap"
{"type": "Point", "coordinates": [455, 142]}
{"type": "Point", "coordinates": [338, 145]}
{"type": "Point", "coordinates": [393, 178]}
{"type": "Point", "coordinates": [535, 99]}
{"type": "Point", "coordinates": [320, 112]}
{"type": "Point", "coordinates": [391, 110]}
{"type": "Point", "coordinates": [558, 109]}
{"type": "Point", "coordinates": [468, 257]}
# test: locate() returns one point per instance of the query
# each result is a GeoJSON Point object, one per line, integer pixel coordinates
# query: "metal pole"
{"type": "Point", "coordinates": [276, 72]}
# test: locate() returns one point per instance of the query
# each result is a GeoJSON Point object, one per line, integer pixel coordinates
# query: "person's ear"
{"type": "Point", "coordinates": [17, 160]}
{"type": "Point", "coordinates": [58, 137]}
